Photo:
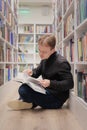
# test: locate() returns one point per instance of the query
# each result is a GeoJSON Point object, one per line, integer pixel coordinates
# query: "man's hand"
{"type": "Point", "coordinates": [28, 71]}
{"type": "Point", "coordinates": [44, 82]}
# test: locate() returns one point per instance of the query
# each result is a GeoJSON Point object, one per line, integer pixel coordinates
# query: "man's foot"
{"type": "Point", "coordinates": [19, 105]}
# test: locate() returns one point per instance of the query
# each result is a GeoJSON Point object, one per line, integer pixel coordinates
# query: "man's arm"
{"type": "Point", "coordinates": [37, 71]}
{"type": "Point", "coordinates": [66, 82]}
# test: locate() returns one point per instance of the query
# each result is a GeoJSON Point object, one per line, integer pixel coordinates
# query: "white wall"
{"type": "Point", "coordinates": [37, 16]}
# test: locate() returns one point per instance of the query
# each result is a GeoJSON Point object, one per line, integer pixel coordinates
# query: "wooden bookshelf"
{"type": "Point", "coordinates": [8, 40]}
{"type": "Point", "coordinates": [73, 25]}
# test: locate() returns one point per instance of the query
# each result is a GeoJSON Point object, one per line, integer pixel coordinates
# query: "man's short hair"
{"type": "Point", "coordinates": [47, 40]}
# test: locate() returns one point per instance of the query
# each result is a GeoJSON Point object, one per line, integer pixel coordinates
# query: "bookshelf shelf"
{"type": "Point", "coordinates": [26, 62]}
{"type": "Point", "coordinates": [43, 33]}
{"type": "Point", "coordinates": [26, 33]}
{"type": "Point", "coordinates": [72, 30]}
{"type": "Point", "coordinates": [25, 43]}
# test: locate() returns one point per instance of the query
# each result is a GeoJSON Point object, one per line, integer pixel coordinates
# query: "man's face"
{"type": "Point", "coordinates": [44, 51]}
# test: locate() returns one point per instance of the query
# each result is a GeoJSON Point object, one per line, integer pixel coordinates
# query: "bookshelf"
{"type": "Point", "coordinates": [8, 40]}
{"type": "Point", "coordinates": [71, 33]}
{"type": "Point", "coordinates": [25, 46]}
{"type": "Point", "coordinates": [29, 34]}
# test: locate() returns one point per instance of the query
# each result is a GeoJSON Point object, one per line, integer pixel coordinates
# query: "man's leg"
{"type": "Point", "coordinates": [48, 101]}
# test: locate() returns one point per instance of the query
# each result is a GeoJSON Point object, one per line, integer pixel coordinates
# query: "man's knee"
{"type": "Point", "coordinates": [22, 89]}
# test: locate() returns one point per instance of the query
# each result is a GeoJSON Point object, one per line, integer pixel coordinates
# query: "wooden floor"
{"type": "Point", "coordinates": [37, 119]}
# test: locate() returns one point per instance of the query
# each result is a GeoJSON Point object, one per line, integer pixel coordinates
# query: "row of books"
{"type": "Point", "coordinates": [5, 9]}
{"type": "Point", "coordinates": [39, 29]}
{"type": "Point", "coordinates": [6, 33]}
{"type": "Point", "coordinates": [26, 28]}
{"type": "Point", "coordinates": [8, 55]}
{"type": "Point", "coordinates": [9, 71]}
{"type": "Point", "coordinates": [81, 10]}
{"type": "Point", "coordinates": [8, 74]}
{"type": "Point", "coordinates": [82, 47]}
{"type": "Point", "coordinates": [69, 25]}
{"type": "Point", "coordinates": [69, 51]}
{"type": "Point", "coordinates": [26, 38]}
{"type": "Point", "coordinates": [82, 84]}
{"type": "Point", "coordinates": [44, 29]}
{"type": "Point", "coordinates": [6, 12]}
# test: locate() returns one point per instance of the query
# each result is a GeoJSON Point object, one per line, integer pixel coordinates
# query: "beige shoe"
{"type": "Point", "coordinates": [19, 105]}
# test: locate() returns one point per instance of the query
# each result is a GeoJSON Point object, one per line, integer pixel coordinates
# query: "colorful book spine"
{"type": "Point", "coordinates": [80, 50]}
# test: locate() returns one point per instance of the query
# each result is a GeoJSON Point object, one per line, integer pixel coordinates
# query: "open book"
{"type": "Point", "coordinates": [32, 82]}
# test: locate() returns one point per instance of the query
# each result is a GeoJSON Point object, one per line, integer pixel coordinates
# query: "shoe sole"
{"type": "Point", "coordinates": [19, 105]}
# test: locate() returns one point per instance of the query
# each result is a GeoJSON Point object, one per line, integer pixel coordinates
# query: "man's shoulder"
{"type": "Point", "coordinates": [61, 58]}
{"type": "Point", "coordinates": [62, 61]}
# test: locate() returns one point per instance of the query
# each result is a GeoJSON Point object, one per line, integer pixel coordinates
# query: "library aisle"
{"type": "Point", "coordinates": [22, 23]}
{"type": "Point", "coordinates": [38, 119]}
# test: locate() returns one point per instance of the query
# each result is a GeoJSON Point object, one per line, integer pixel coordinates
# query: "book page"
{"type": "Point", "coordinates": [32, 82]}
{"type": "Point", "coordinates": [37, 87]}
